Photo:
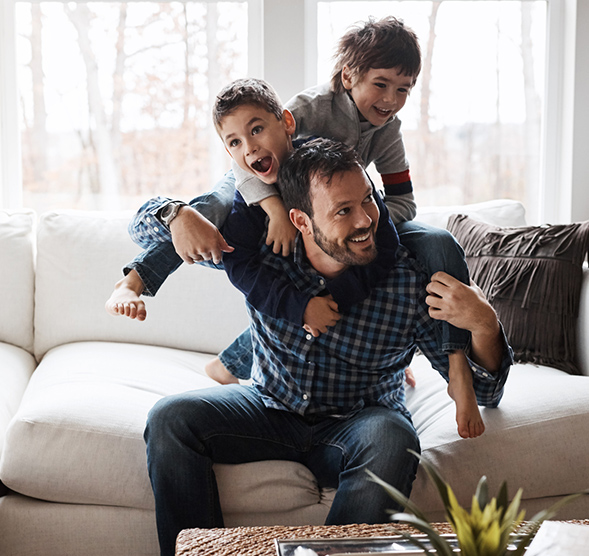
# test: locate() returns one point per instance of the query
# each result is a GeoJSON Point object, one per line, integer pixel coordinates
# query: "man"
{"type": "Point", "coordinates": [334, 402]}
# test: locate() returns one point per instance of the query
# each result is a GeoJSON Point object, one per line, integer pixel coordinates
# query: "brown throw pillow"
{"type": "Point", "coordinates": [532, 276]}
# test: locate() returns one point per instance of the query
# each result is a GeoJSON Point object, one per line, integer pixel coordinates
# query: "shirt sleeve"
{"type": "Point", "coordinates": [252, 189]}
{"type": "Point", "coordinates": [266, 288]}
{"type": "Point", "coordinates": [146, 227]}
{"type": "Point", "coordinates": [488, 387]}
{"type": "Point", "coordinates": [154, 265]}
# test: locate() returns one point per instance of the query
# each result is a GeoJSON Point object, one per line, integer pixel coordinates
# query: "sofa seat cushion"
{"type": "Point", "coordinates": [537, 436]}
{"type": "Point", "coordinates": [83, 416]}
{"type": "Point", "coordinates": [15, 371]}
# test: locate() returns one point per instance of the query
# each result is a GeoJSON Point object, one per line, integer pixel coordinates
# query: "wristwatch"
{"type": "Point", "coordinates": [170, 211]}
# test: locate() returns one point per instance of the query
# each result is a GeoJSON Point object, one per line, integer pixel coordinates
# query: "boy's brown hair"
{"type": "Point", "coordinates": [246, 91]}
{"type": "Point", "coordinates": [381, 44]}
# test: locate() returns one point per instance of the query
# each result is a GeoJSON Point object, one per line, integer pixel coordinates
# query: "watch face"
{"type": "Point", "coordinates": [167, 211]}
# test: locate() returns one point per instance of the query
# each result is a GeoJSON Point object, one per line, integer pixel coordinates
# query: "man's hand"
{"type": "Point", "coordinates": [321, 312]}
{"type": "Point", "coordinates": [281, 232]}
{"type": "Point", "coordinates": [196, 239]}
{"type": "Point", "coordinates": [467, 307]}
{"type": "Point", "coordinates": [461, 305]}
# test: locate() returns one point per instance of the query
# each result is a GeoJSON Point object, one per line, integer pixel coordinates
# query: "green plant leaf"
{"type": "Point", "coordinates": [398, 496]}
{"type": "Point", "coordinates": [503, 498]}
{"type": "Point", "coordinates": [482, 492]}
{"type": "Point", "coordinates": [440, 544]}
{"type": "Point", "coordinates": [435, 477]}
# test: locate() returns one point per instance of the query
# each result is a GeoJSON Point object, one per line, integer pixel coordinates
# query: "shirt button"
{"type": "Point", "coordinates": [156, 229]}
{"type": "Point", "coordinates": [148, 218]}
{"type": "Point", "coordinates": [321, 282]}
{"type": "Point", "coordinates": [305, 397]}
{"type": "Point", "coordinates": [309, 336]}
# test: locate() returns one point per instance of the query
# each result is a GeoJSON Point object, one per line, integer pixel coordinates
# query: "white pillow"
{"type": "Point", "coordinates": [499, 212]}
{"type": "Point", "coordinates": [79, 260]}
{"type": "Point", "coordinates": [17, 279]}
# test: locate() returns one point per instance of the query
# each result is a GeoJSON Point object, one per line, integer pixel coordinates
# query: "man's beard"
{"type": "Point", "coordinates": [343, 253]}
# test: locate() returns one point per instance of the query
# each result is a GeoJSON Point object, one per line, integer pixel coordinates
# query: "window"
{"type": "Point", "coordinates": [472, 124]}
{"type": "Point", "coordinates": [116, 98]}
{"type": "Point", "coordinates": [481, 120]}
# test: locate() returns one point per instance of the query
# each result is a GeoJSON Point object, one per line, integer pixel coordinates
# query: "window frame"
{"type": "Point", "coordinates": [278, 28]}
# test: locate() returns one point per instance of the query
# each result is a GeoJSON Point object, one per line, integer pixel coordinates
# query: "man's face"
{"type": "Point", "coordinates": [257, 141]}
{"type": "Point", "coordinates": [345, 217]}
{"type": "Point", "coordinates": [379, 94]}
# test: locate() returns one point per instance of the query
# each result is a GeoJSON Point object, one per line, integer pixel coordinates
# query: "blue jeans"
{"type": "Point", "coordinates": [435, 248]}
{"type": "Point", "coordinates": [187, 433]}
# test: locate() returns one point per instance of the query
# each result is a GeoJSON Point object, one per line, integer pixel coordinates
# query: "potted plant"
{"type": "Point", "coordinates": [487, 530]}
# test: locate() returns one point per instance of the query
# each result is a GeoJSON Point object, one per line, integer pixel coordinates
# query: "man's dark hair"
{"type": "Point", "coordinates": [381, 44]}
{"type": "Point", "coordinates": [246, 91]}
{"type": "Point", "coordinates": [319, 158]}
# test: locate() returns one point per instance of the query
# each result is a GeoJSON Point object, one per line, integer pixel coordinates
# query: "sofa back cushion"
{"type": "Point", "coordinates": [17, 278]}
{"type": "Point", "coordinates": [79, 259]}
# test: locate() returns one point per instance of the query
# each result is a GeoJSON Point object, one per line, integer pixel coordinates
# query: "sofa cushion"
{"type": "Point", "coordinates": [79, 258]}
{"type": "Point", "coordinates": [501, 212]}
{"type": "Point", "coordinates": [83, 417]}
{"type": "Point", "coordinates": [17, 280]}
{"type": "Point", "coordinates": [537, 437]}
{"type": "Point", "coordinates": [533, 277]}
{"type": "Point", "coordinates": [15, 371]}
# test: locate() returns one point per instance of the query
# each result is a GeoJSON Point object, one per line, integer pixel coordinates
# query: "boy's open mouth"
{"type": "Point", "coordinates": [262, 165]}
{"type": "Point", "coordinates": [383, 112]}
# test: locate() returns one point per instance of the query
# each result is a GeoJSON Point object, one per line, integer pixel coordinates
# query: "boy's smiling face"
{"type": "Point", "coordinates": [379, 94]}
{"type": "Point", "coordinates": [257, 140]}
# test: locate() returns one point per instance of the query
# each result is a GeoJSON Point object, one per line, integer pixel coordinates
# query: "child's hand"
{"type": "Point", "coordinates": [196, 239]}
{"type": "Point", "coordinates": [281, 232]}
{"type": "Point", "coordinates": [321, 312]}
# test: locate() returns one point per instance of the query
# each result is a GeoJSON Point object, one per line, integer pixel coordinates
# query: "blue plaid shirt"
{"type": "Point", "coordinates": [361, 360]}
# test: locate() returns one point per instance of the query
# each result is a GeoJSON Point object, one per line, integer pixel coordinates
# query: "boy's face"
{"type": "Point", "coordinates": [379, 94]}
{"type": "Point", "coordinates": [257, 141]}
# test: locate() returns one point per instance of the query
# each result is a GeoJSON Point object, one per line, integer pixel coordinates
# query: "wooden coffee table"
{"type": "Point", "coordinates": [259, 541]}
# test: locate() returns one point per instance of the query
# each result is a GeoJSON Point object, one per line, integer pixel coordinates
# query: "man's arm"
{"type": "Point", "coordinates": [489, 357]}
{"type": "Point", "coordinates": [467, 307]}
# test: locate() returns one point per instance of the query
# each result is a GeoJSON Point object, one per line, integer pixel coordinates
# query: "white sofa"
{"type": "Point", "coordinates": [76, 386]}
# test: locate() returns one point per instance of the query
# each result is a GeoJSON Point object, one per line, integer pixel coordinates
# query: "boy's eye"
{"type": "Point", "coordinates": [257, 129]}
{"type": "Point", "coordinates": [403, 90]}
{"type": "Point", "coordinates": [380, 85]}
{"type": "Point", "coordinates": [369, 198]}
{"type": "Point", "coordinates": [233, 143]}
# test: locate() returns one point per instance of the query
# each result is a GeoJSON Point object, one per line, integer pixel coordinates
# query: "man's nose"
{"type": "Point", "coordinates": [363, 219]}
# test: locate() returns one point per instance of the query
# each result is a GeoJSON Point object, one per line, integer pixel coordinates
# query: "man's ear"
{"type": "Point", "coordinates": [301, 221]}
{"type": "Point", "coordinates": [289, 121]}
{"type": "Point", "coordinates": [347, 78]}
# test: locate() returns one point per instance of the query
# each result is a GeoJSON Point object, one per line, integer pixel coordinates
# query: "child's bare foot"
{"type": "Point", "coordinates": [217, 371]}
{"type": "Point", "coordinates": [410, 377]}
{"type": "Point", "coordinates": [125, 302]}
{"type": "Point", "coordinates": [468, 416]}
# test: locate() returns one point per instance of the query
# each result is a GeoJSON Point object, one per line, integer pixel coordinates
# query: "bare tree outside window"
{"type": "Point", "coordinates": [472, 124]}
{"type": "Point", "coordinates": [116, 98]}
